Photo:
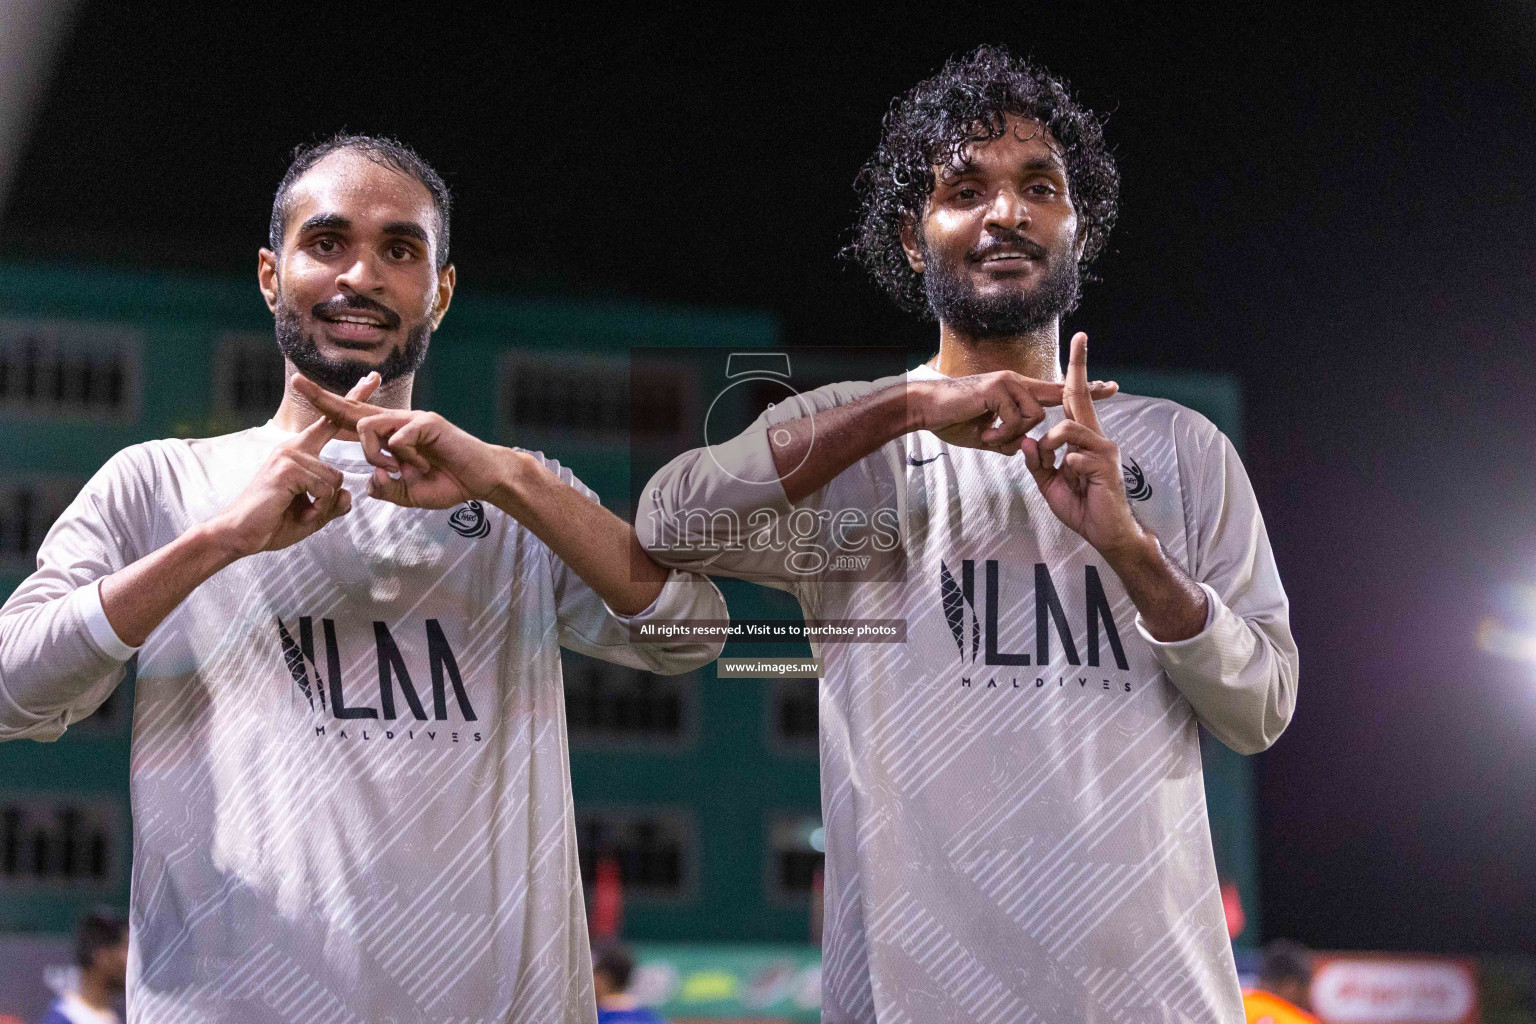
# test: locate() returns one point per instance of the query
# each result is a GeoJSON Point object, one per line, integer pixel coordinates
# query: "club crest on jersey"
{"type": "Point", "coordinates": [1137, 488]}
{"type": "Point", "coordinates": [469, 520]}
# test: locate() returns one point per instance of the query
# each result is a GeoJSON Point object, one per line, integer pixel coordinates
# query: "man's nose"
{"type": "Point", "coordinates": [1008, 210]}
{"type": "Point", "coordinates": [361, 277]}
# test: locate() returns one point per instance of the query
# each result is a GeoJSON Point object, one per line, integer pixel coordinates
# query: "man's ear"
{"type": "Point", "coordinates": [446, 279]}
{"type": "Point", "coordinates": [910, 245]}
{"type": "Point", "coordinates": [266, 277]}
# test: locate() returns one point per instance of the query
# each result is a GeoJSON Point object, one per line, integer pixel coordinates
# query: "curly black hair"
{"type": "Point", "coordinates": [969, 101]}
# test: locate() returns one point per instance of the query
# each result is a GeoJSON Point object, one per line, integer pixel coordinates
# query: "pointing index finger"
{"type": "Point", "coordinates": [1075, 394]}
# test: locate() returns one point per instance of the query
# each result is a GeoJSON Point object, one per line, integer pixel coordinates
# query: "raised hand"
{"type": "Point", "coordinates": [990, 411]}
{"type": "Point", "coordinates": [420, 459]}
{"type": "Point", "coordinates": [1085, 490]}
{"type": "Point", "coordinates": [293, 494]}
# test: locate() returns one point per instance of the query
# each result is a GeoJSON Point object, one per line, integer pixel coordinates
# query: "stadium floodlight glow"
{"type": "Point", "coordinates": [1496, 638]}
{"type": "Point", "coordinates": [1513, 633]}
{"type": "Point", "coordinates": [818, 839]}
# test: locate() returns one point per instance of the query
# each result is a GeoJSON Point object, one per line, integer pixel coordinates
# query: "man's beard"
{"type": "Point", "coordinates": [340, 374]}
{"type": "Point", "coordinates": [953, 298]}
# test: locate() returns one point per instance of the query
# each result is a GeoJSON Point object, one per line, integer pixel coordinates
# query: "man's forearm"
{"type": "Point", "coordinates": [1171, 604]}
{"type": "Point", "coordinates": [598, 546]}
{"type": "Point", "coordinates": [138, 598]}
{"type": "Point", "coordinates": [811, 451]}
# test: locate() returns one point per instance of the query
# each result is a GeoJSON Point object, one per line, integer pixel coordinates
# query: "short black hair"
{"type": "Point", "coordinates": [616, 961]}
{"type": "Point", "coordinates": [968, 101]}
{"type": "Point", "coordinates": [381, 150]}
{"type": "Point", "coordinates": [100, 929]}
{"type": "Point", "coordinates": [1285, 960]}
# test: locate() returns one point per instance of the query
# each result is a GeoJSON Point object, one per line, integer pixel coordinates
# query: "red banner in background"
{"type": "Point", "coordinates": [607, 916]}
{"type": "Point", "coordinates": [1391, 988]}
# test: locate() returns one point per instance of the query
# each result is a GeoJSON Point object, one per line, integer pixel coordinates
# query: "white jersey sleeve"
{"type": "Point", "coordinates": [59, 656]}
{"type": "Point", "coordinates": [589, 626]}
{"type": "Point", "coordinates": [682, 506]}
{"type": "Point", "coordinates": [1239, 673]}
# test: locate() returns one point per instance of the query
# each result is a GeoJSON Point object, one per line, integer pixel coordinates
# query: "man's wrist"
{"type": "Point", "coordinates": [214, 545]}
{"type": "Point", "coordinates": [908, 411]}
{"type": "Point", "coordinates": [1135, 549]}
{"type": "Point", "coordinates": [1170, 605]}
{"type": "Point", "coordinates": [514, 474]}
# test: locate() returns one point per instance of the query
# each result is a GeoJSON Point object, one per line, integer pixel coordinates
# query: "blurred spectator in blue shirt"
{"type": "Point", "coordinates": [101, 951]}
{"type": "Point", "coordinates": [612, 966]}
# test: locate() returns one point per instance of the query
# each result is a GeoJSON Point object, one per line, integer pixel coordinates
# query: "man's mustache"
{"type": "Point", "coordinates": [333, 308]}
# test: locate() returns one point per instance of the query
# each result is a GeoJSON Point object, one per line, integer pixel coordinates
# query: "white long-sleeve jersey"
{"type": "Point", "coordinates": [350, 780]}
{"type": "Point", "coordinates": [1015, 815]}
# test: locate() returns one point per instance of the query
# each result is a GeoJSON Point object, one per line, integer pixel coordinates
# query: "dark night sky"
{"type": "Point", "coordinates": [1336, 207]}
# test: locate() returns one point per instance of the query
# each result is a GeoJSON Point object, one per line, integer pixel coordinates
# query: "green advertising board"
{"type": "Point", "coordinates": [686, 983]}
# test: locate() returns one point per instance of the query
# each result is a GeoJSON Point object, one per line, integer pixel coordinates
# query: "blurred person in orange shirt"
{"type": "Point", "coordinates": [1284, 995]}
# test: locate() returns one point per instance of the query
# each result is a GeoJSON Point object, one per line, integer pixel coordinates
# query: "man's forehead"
{"type": "Point", "coordinates": [1023, 141]}
{"type": "Point", "coordinates": [350, 184]}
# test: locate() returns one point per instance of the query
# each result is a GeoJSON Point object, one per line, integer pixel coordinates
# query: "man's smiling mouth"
{"type": "Point", "coordinates": [350, 327]}
{"type": "Point", "coordinates": [357, 317]}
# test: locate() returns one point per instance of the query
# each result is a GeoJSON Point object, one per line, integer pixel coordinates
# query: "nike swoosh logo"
{"type": "Point", "coordinates": [923, 462]}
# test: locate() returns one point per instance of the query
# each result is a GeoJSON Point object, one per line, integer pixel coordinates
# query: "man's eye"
{"type": "Point", "coordinates": [325, 245]}
{"type": "Point", "coordinates": [967, 193]}
{"type": "Point", "coordinates": [1043, 189]}
{"type": "Point", "coordinates": [400, 252]}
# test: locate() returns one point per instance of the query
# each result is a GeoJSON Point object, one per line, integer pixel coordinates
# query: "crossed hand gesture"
{"type": "Point", "coordinates": [991, 411]}
{"type": "Point", "coordinates": [1086, 490]}
{"type": "Point", "coordinates": [294, 493]}
{"type": "Point", "coordinates": [420, 460]}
